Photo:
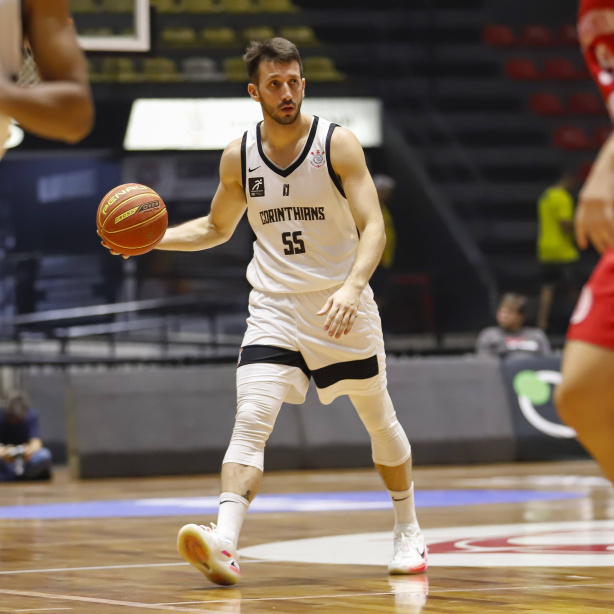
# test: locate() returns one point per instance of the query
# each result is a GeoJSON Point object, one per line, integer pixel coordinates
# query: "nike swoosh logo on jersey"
{"type": "Point", "coordinates": [251, 170]}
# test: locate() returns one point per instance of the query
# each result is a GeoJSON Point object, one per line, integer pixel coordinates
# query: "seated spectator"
{"type": "Point", "coordinates": [511, 337]}
{"type": "Point", "coordinates": [22, 456]}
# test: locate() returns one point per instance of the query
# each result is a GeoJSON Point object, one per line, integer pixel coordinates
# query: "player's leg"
{"type": "Point", "coordinates": [585, 399]}
{"type": "Point", "coordinates": [261, 390]}
{"type": "Point", "coordinates": [392, 458]}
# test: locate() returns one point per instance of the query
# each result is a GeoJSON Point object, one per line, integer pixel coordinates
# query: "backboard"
{"type": "Point", "coordinates": [112, 26]}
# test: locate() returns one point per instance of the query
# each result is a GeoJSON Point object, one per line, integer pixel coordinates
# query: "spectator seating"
{"type": "Point", "coordinates": [571, 138]}
{"type": "Point", "coordinates": [568, 35]}
{"type": "Point", "coordinates": [257, 33]}
{"type": "Point", "coordinates": [78, 7]}
{"type": "Point", "coordinates": [179, 36]}
{"type": "Point", "coordinates": [219, 37]}
{"type": "Point", "coordinates": [238, 6]}
{"type": "Point", "coordinates": [497, 35]}
{"type": "Point", "coordinates": [521, 69]}
{"type": "Point", "coordinates": [536, 36]}
{"type": "Point", "coordinates": [168, 6]}
{"type": "Point", "coordinates": [161, 70]}
{"type": "Point", "coordinates": [561, 68]}
{"type": "Point", "coordinates": [303, 36]}
{"type": "Point", "coordinates": [586, 103]}
{"type": "Point", "coordinates": [201, 69]}
{"type": "Point", "coordinates": [201, 6]}
{"type": "Point", "coordinates": [235, 69]}
{"type": "Point", "coordinates": [321, 68]}
{"type": "Point", "coordinates": [118, 69]}
{"type": "Point", "coordinates": [278, 6]}
{"type": "Point", "coordinates": [545, 103]}
{"type": "Point", "coordinates": [118, 6]}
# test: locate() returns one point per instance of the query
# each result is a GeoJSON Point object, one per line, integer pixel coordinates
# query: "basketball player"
{"type": "Point", "coordinates": [319, 236]}
{"type": "Point", "coordinates": [60, 106]}
{"type": "Point", "coordinates": [585, 398]}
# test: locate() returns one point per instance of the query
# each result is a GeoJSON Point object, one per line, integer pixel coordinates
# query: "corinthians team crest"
{"type": "Point", "coordinates": [318, 159]}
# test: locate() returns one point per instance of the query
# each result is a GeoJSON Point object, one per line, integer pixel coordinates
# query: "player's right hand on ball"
{"type": "Point", "coordinates": [111, 249]}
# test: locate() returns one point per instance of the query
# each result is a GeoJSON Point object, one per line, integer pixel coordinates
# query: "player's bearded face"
{"type": "Point", "coordinates": [281, 91]}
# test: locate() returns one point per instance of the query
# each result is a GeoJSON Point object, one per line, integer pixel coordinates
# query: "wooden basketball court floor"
{"type": "Point", "coordinates": [503, 538]}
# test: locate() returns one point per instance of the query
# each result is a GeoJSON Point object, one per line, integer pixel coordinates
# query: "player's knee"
{"type": "Point", "coordinates": [390, 445]}
{"type": "Point", "coordinates": [253, 423]}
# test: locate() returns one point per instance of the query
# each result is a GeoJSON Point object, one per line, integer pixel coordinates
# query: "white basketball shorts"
{"type": "Point", "coordinates": [283, 329]}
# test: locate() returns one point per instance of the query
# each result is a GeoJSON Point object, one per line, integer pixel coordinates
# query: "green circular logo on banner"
{"type": "Point", "coordinates": [526, 383]}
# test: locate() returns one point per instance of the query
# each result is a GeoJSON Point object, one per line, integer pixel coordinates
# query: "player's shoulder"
{"type": "Point", "coordinates": [342, 137]}
{"type": "Point", "coordinates": [230, 164]}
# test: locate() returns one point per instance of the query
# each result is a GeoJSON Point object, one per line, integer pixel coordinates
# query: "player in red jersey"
{"type": "Point", "coordinates": [585, 398]}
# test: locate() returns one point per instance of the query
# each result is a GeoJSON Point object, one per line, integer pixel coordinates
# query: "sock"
{"type": "Point", "coordinates": [404, 510]}
{"type": "Point", "coordinates": [231, 515]}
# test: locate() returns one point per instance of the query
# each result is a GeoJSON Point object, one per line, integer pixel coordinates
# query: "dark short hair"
{"type": "Point", "coordinates": [271, 50]}
{"type": "Point", "coordinates": [16, 404]}
{"type": "Point", "coordinates": [518, 301]}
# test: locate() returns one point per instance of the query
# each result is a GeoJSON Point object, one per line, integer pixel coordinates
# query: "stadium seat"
{"type": "Point", "coordinates": [602, 134]}
{"type": "Point", "coordinates": [219, 37]}
{"type": "Point", "coordinates": [235, 69]}
{"type": "Point", "coordinates": [571, 138]}
{"type": "Point", "coordinates": [561, 68]}
{"type": "Point", "coordinates": [568, 35]}
{"type": "Point", "coordinates": [321, 68]}
{"type": "Point", "coordinates": [201, 69]}
{"type": "Point", "coordinates": [201, 6]}
{"type": "Point", "coordinates": [78, 7]}
{"type": "Point", "coordinates": [160, 70]}
{"type": "Point", "coordinates": [168, 6]}
{"type": "Point", "coordinates": [277, 6]}
{"type": "Point", "coordinates": [586, 103]}
{"type": "Point", "coordinates": [179, 37]}
{"type": "Point", "coordinates": [521, 69]}
{"type": "Point", "coordinates": [118, 6]}
{"type": "Point", "coordinates": [97, 32]}
{"type": "Point", "coordinates": [545, 103]}
{"type": "Point", "coordinates": [238, 6]}
{"type": "Point", "coordinates": [536, 36]}
{"type": "Point", "coordinates": [95, 76]}
{"type": "Point", "coordinates": [498, 36]}
{"type": "Point", "coordinates": [119, 70]}
{"type": "Point", "coordinates": [303, 36]}
{"type": "Point", "coordinates": [584, 170]}
{"type": "Point", "coordinates": [258, 33]}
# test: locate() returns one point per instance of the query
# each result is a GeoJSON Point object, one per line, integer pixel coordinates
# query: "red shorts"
{"type": "Point", "coordinates": [593, 318]}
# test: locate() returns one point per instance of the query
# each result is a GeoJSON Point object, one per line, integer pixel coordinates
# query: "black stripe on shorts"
{"type": "Point", "coordinates": [352, 369]}
{"type": "Point", "coordinates": [272, 354]}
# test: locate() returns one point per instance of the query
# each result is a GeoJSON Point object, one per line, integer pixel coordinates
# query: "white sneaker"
{"type": "Point", "coordinates": [410, 553]}
{"type": "Point", "coordinates": [211, 553]}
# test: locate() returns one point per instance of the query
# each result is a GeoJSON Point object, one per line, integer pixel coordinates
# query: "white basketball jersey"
{"type": "Point", "coordinates": [306, 237]}
{"type": "Point", "coordinates": [11, 52]}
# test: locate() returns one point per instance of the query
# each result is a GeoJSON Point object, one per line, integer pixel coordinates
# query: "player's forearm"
{"type": "Point", "coordinates": [193, 236]}
{"type": "Point", "coordinates": [370, 249]}
{"type": "Point", "coordinates": [56, 110]}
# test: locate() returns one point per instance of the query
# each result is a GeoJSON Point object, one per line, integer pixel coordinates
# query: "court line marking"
{"type": "Point", "coordinates": [129, 604]}
{"type": "Point", "coordinates": [432, 592]}
{"type": "Point", "coordinates": [22, 571]}
{"type": "Point", "coordinates": [42, 609]}
{"type": "Point", "coordinates": [99, 567]}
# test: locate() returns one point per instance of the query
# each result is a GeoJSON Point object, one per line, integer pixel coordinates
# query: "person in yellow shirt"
{"type": "Point", "coordinates": [556, 249]}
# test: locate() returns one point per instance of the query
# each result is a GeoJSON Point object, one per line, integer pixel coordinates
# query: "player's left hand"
{"type": "Point", "coordinates": [342, 309]}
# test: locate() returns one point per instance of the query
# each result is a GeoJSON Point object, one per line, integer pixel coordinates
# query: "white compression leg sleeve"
{"type": "Point", "coordinates": [258, 403]}
{"type": "Point", "coordinates": [389, 442]}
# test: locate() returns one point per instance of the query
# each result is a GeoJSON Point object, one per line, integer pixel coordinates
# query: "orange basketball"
{"type": "Point", "coordinates": [132, 219]}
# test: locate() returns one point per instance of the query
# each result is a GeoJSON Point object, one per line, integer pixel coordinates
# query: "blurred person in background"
{"type": "Point", "coordinates": [556, 248]}
{"type": "Point", "coordinates": [22, 455]}
{"type": "Point", "coordinates": [59, 103]}
{"type": "Point", "coordinates": [511, 337]}
{"type": "Point", "coordinates": [585, 397]}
